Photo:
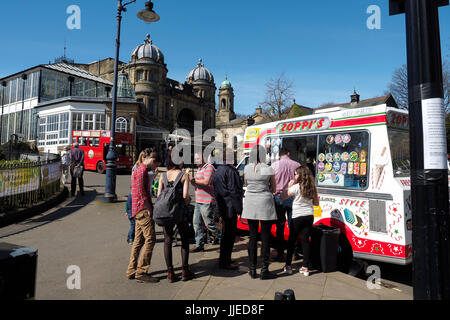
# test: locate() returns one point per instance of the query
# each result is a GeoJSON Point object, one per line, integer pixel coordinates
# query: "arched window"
{"type": "Point", "coordinates": [224, 103]}
{"type": "Point", "coordinates": [140, 75]}
{"type": "Point", "coordinates": [121, 125]}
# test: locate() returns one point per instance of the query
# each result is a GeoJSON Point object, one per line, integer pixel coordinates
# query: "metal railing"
{"type": "Point", "coordinates": [24, 183]}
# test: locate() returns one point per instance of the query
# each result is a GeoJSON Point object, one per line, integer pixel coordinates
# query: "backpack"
{"type": "Point", "coordinates": [167, 207]}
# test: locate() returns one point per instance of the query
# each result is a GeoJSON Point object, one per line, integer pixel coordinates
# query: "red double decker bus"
{"type": "Point", "coordinates": [95, 144]}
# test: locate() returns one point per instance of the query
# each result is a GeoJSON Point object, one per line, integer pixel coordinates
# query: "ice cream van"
{"type": "Point", "coordinates": [360, 159]}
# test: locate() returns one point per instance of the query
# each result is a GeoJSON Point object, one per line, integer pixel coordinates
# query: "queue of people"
{"type": "Point", "coordinates": [273, 192]}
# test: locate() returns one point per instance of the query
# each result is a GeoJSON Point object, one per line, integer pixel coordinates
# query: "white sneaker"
{"type": "Point", "coordinates": [304, 271]}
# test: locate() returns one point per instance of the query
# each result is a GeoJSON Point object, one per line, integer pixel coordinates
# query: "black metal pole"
{"type": "Point", "coordinates": [429, 179]}
{"type": "Point", "coordinates": [111, 167]}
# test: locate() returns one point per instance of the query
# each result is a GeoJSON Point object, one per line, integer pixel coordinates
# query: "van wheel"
{"type": "Point", "coordinates": [100, 167]}
{"type": "Point", "coordinates": [345, 254]}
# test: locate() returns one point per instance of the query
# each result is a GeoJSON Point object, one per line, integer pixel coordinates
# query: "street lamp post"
{"type": "Point", "coordinates": [429, 182]}
{"type": "Point", "coordinates": [148, 15]}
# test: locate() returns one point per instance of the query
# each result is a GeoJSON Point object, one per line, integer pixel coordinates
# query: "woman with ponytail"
{"type": "Point", "coordinates": [304, 191]}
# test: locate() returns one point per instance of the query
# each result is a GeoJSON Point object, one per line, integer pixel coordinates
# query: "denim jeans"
{"type": "Point", "coordinates": [204, 212]}
{"type": "Point", "coordinates": [282, 207]}
{"type": "Point", "coordinates": [130, 236]}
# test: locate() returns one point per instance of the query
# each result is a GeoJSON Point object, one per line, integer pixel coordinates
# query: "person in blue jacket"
{"type": "Point", "coordinates": [130, 237]}
{"type": "Point", "coordinates": [228, 191]}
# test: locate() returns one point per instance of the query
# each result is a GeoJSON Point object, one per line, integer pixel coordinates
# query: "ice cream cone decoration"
{"type": "Point", "coordinates": [353, 219]}
{"type": "Point", "coordinates": [379, 166]}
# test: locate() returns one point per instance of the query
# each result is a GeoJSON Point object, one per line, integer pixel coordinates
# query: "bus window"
{"type": "Point", "coordinates": [399, 144]}
{"type": "Point", "coordinates": [124, 150]}
{"type": "Point", "coordinates": [74, 140]}
{"type": "Point", "coordinates": [342, 160]}
{"type": "Point", "coordinates": [94, 142]}
{"type": "Point", "coordinates": [82, 141]}
{"type": "Point", "coordinates": [303, 149]}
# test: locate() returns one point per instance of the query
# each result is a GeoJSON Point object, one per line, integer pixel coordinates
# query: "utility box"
{"type": "Point", "coordinates": [18, 266]}
{"type": "Point", "coordinates": [325, 241]}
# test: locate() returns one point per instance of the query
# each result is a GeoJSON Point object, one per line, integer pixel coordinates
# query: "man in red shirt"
{"type": "Point", "coordinates": [142, 211]}
{"type": "Point", "coordinates": [205, 202]}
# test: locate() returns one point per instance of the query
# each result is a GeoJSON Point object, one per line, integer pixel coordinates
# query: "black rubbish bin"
{"type": "Point", "coordinates": [325, 241]}
{"type": "Point", "coordinates": [17, 271]}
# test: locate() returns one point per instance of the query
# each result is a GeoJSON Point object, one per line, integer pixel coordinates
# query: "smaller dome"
{"type": "Point", "coordinates": [226, 83]}
{"type": "Point", "coordinates": [200, 74]}
{"type": "Point", "coordinates": [148, 50]}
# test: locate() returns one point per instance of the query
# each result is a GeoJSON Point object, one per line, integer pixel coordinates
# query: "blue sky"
{"type": "Point", "coordinates": [324, 47]}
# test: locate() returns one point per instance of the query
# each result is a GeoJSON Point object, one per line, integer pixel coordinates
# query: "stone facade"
{"type": "Point", "coordinates": [164, 103]}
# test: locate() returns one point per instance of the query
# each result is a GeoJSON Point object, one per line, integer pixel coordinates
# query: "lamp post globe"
{"type": "Point", "coordinates": [148, 15]}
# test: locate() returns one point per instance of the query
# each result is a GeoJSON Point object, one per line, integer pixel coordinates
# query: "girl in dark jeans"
{"type": "Point", "coordinates": [182, 189]}
{"type": "Point", "coordinates": [304, 191]}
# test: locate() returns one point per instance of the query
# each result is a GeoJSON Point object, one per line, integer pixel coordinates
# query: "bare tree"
{"type": "Point", "coordinates": [279, 95]}
{"type": "Point", "coordinates": [398, 86]}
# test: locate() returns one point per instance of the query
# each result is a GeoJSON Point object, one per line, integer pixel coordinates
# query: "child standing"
{"type": "Point", "coordinates": [130, 237]}
{"type": "Point", "coordinates": [304, 191]}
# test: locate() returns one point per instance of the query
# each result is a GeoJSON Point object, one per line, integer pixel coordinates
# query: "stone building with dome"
{"type": "Point", "coordinates": [164, 104]}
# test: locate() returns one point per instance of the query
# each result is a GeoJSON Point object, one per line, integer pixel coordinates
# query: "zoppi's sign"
{"type": "Point", "coordinates": [303, 125]}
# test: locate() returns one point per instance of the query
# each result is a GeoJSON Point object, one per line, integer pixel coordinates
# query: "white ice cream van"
{"type": "Point", "coordinates": [360, 158]}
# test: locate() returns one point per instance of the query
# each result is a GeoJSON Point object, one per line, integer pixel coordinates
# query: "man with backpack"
{"type": "Point", "coordinates": [142, 211]}
{"type": "Point", "coordinates": [204, 202]}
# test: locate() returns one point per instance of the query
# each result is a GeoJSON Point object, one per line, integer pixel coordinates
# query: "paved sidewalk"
{"type": "Point", "coordinates": [237, 285]}
{"type": "Point", "coordinates": [86, 232]}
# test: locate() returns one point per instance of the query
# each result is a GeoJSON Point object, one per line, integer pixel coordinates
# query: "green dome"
{"type": "Point", "coordinates": [226, 83]}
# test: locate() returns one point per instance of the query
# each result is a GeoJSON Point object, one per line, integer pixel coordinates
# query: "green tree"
{"type": "Point", "coordinates": [296, 111]}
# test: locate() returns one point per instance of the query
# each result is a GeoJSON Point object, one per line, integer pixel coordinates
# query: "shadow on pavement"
{"type": "Point", "coordinates": [74, 205]}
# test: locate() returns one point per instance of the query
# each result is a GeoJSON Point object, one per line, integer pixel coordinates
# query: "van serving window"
{"type": "Point", "coordinates": [343, 160]}
{"type": "Point", "coordinates": [399, 144]}
{"type": "Point", "coordinates": [303, 149]}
